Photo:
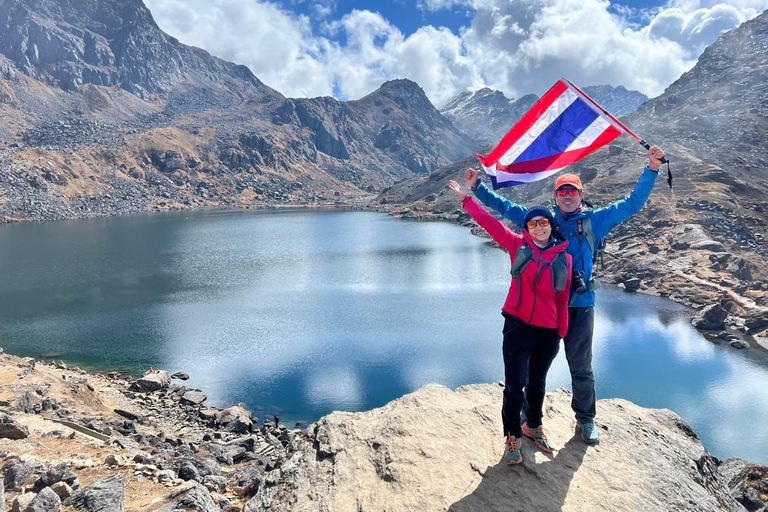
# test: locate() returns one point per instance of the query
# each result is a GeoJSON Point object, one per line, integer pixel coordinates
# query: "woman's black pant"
{"type": "Point", "coordinates": [528, 354]}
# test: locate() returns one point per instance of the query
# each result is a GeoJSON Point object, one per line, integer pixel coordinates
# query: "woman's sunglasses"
{"type": "Point", "coordinates": [562, 192]}
{"type": "Point", "coordinates": [541, 222]}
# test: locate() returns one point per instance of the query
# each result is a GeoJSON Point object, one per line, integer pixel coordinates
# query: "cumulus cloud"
{"type": "Point", "coordinates": [277, 45]}
{"type": "Point", "coordinates": [377, 51]}
{"type": "Point", "coordinates": [517, 47]}
{"type": "Point", "coordinates": [525, 46]}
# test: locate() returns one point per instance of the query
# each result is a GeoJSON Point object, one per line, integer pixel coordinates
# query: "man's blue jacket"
{"type": "Point", "coordinates": [603, 220]}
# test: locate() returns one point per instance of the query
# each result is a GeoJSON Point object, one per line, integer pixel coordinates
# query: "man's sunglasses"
{"type": "Point", "coordinates": [562, 192]}
{"type": "Point", "coordinates": [541, 222]}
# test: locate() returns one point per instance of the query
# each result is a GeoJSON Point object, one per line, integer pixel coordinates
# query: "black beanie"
{"type": "Point", "coordinates": [538, 211]}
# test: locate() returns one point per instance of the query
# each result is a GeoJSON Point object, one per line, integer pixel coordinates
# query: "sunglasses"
{"type": "Point", "coordinates": [541, 222]}
{"type": "Point", "coordinates": [562, 192]}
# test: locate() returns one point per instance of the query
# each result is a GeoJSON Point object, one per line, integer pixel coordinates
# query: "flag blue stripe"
{"type": "Point", "coordinates": [501, 184]}
{"type": "Point", "coordinates": [561, 133]}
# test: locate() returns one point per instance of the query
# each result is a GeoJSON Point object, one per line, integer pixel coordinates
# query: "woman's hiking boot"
{"type": "Point", "coordinates": [513, 450]}
{"type": "Point", "coordinates": [539, 437]}
{"type": "Point", "coordinates": [589, 433]}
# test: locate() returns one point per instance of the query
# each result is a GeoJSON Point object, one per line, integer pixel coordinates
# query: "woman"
{"type": "Point", "coordinates": [535, 316]}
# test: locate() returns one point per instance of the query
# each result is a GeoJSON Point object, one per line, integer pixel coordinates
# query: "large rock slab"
{"type": "Point", "coordinates": [437, 450]}
{"type": "Point", "coordinates": [105, 495]}
{"type": "Point", "coordinates": [9, 429]}
{"type": "Point", "coordinates": [153, 380]}
{"type": "Point", "coordinates": [45, 501]}
{"type": "Point", "coordinates": [195, 498]}
{"type": "Point", "coordinates": [711, 317]}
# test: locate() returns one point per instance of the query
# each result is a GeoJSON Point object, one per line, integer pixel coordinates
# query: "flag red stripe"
{"type": "Point", "coordinates": [561, 159]}
{"type": "Point", "coordinates": [525, 123]}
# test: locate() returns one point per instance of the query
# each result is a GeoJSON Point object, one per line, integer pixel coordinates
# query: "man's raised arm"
{"type": "Point", "coordinates": [605, 219]}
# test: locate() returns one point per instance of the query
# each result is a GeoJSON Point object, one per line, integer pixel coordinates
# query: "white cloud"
{"type": "Point", "coordinates": [517, 47]}
{"type": "Point", "coordinates": [377, 51]}
{"type": "Point", "coordinates": [278, 46]}
{"type": "Point", "coordinates": [525, 46]}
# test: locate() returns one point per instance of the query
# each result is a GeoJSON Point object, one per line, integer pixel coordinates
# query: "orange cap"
{"type": "Point", "coordinates": [568, 179]}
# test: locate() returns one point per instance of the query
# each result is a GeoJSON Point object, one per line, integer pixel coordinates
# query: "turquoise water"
{"type": "Point", "coordinates": [298, 313]}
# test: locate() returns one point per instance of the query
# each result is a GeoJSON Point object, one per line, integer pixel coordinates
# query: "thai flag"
{"type": "Point", "coordinates": [563, 127]}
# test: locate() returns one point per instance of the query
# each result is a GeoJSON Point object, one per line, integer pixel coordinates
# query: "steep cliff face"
{"type": "Point", "coordinates": [70, 43]}
{"type": "Point", "coordinates": [617, 100]}
{"type": "Point", "coordinates": [438, 449]}
{"type": "Point", "coordinates": [486, 114]}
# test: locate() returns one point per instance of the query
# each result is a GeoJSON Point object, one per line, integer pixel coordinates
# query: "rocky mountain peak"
{"type": "Point", "coordinates": [70, 43]}
{"type": "Point", "coordinates": [616, 100]}
{"type": "Point", "coordinates": [486, 114]}
{"type": "Point", "coordinates": [485, 97]}
{"type": "Point", "coordinates": [406, 93]}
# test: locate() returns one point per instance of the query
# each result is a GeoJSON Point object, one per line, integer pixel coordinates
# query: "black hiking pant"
{"type": "Point", "coordinates": [578, 352]}
{"type": "Point", "coordinates": [528, 354]}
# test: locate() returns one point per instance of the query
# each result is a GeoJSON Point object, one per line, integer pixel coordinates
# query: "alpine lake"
{"type": "Point", "coordinates": [299, 313]}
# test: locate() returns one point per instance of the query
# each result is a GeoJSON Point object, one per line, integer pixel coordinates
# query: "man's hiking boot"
{"type": "Point", "coordinates": [589, 433]}
{"type": "Point", "coordinates": [512, 450]}
{"type": "Point", "coordinates": [539, 437]}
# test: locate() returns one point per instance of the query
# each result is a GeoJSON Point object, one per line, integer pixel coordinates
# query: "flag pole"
{"type": "Point", "coordinates": [620, 125]}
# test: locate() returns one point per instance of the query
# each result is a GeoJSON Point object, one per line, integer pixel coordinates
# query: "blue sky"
{"type": "Point", "coordinates": [348, 48]}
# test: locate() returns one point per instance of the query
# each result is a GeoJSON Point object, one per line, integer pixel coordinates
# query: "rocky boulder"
{"type": "Point", "coordinates": [236, 419]}
{"type": "Point", "coordinates": [748, 483]}
{"type": "Point", "coordinates": [193, 397]}
{"type": "Point", "coordinates": [190, 498]}
{"type": "Point", "coordinates": [9, 429]}
{"type": "Point", "coordinates": [105, 495]}
{"type": "Point", "coordinates": [711, 317]}
{"type": "Point", "coordinates": [740, 269]}
{"type": "Point", "coordinates": [757, 321]}
{"type": "Point", "coordinates": [45, 501]}
{"type": "Point", "coordinates": [437, 449]}
{"type": "Point", "coordinates": [153, 380]}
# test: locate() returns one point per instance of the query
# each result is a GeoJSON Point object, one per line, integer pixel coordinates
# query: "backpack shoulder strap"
{"type": "Point", "coordinates": [523, 257]}
{"type": "Point", "coordinates": [589, 234]}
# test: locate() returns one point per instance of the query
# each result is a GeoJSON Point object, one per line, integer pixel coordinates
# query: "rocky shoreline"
{"type": "Point", "coordinates": [112, 443]}
{"type": "Point", "coordinates": [72, 440]}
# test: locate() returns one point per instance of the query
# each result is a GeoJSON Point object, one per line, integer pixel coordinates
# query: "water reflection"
{"type": "Point", "coordinates": [301, 313]}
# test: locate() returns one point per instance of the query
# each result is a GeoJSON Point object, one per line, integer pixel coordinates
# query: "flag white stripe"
{"type": "Point", "coordinates": [588, 136]}
{"type": "Point", "coordinates": [548, 117]}
{"type": "Point", "coordinates": [503, 177]}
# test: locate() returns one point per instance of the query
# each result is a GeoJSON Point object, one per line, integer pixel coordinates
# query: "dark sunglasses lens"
{"type": "Point", "coordinates": [541, 222]}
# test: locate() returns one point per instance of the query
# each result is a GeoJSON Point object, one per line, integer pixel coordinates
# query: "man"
{"type": "Point", "coordinates": [571, 216]}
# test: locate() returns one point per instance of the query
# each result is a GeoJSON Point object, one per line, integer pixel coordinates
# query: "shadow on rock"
{"type": "Point", "coordinates": [540, 486]}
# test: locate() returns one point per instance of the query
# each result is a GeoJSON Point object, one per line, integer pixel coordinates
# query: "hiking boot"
{"type": "Point", "coordinates": [512, 450]}
{"type": "Point", "coordinates": [539, 437]}
{"type": "Point", "coordinates": [589, 433]}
